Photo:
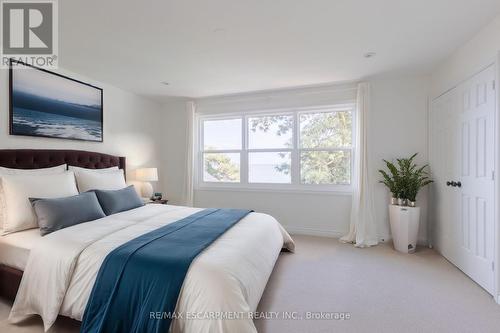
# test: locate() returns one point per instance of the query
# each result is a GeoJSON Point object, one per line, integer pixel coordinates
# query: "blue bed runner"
{"type": "Point", "coordinates": [145, 275]}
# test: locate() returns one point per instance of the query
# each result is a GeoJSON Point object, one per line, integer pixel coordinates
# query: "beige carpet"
{"type": "Point", "coordinates": [383, 291]}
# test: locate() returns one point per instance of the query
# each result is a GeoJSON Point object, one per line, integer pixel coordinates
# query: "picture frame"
{"type": "Point", "coordinates": [51, 105]}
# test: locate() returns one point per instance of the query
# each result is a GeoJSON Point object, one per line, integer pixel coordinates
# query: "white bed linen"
{"type": "Point", "coordinates": [230, 275]}
{"type": "Point", "coordinates": [15, 248]}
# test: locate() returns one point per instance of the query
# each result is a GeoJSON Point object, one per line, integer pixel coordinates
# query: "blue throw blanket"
{"type": "Point", "coordinates": [145, 275]}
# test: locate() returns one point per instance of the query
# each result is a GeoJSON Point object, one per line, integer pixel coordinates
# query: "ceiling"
{"type": "Point", "coordinates": [204, 48]}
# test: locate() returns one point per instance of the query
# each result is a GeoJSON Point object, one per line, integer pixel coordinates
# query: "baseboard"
{"type": "Point", "coordinates": [314, 231]}
{"type": "Point", "coordinates": [293, 230]}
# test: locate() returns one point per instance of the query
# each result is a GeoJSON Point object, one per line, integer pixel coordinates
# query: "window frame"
{"type": "Point", "coordinates": [295, 185]}
{"type": "Point", "coordinates": [201, 151]}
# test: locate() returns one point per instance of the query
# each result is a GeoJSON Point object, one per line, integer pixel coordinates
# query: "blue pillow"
{"type": "Point", "coordinates": [56, 214]}
{"type": "Point", "coordinates": [115, 201]}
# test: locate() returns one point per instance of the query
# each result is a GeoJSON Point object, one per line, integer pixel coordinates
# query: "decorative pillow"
{"type": "Point", "coordinates": [8, 171]}
{"type": "Point", "coordinates": [56, 214]}
{"type": "Point", "coordinates": [19, 188]}
{"type": "Point", "coordinates": [113, 202]}
{"type": "Point", "coordinates": [113, 180]}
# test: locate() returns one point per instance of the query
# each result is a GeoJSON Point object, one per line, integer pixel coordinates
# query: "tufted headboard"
{"type": "Point", "coordinates": [46, 158]}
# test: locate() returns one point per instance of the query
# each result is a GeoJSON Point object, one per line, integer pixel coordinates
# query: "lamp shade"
{"type": "Point", "coordinates": [147, 175]}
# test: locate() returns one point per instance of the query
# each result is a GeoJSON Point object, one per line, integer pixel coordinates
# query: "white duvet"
{"type": "Point", "coordinates": [227, 279]}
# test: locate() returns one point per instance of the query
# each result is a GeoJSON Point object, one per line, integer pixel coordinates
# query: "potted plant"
{"type": "Point", "coordinates": [405, 180]}
{"type": "Point", "coordinates": [392, 181]}
{"type": "Point", "coordinates": [417, 180]}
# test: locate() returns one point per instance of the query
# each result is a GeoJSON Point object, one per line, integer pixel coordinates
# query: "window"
{"type": "Point", "coordinates": [325, 147]}
{"type": "Point", "coordinates": [304, 149]}
{"type": "Point", "coordinates": [222, 144]}
{"type": "Point", "coordinates": [270, 146]}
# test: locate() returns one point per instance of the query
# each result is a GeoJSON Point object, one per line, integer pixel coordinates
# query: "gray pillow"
{"type": "Point", "coordinates": [56, 214]}
{"type": "Point", "coordinates": [115, 201]}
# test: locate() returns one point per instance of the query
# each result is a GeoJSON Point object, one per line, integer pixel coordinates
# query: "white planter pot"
{"type": "Point", "coordinates": [404, 227]}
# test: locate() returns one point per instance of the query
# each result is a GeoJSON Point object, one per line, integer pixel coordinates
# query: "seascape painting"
{"type": "Point", "coordinates": [50, 105]}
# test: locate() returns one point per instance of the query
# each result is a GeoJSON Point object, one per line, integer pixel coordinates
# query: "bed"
{"type": "Point", "coordinates": [10, 275]}
{"type": "Point", "coordinates": [61, 268]}
{"type": "Point", "coordinates": [14, 252]}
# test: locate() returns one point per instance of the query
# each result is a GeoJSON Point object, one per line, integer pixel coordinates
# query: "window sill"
{"type": "Point", "coordinates": [332, 192]}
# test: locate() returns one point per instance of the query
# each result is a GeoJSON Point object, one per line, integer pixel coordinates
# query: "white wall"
{"type": "Point", "coordinates": [174, 126]}
{"type": "Point", "coordinates": [131, 127]}
{"type": "Point", "coordinates": [468, 59]}
{"type": "Point", "coordinates": [398, 128]}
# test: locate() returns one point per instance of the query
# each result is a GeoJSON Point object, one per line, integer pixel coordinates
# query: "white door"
{"type": "Point", "coordinates": [463, 164]}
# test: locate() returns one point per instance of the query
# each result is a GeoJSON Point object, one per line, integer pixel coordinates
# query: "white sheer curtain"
{"type": "Point", "coordinates": [188, 196]}
{"type": "Point", "coordinates": [363, 230]}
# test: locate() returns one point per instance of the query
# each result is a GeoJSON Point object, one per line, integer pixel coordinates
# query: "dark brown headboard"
{"type": "Point", "coordinates": [46, 158]}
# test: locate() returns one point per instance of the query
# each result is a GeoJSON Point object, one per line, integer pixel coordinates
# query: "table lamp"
{"type": "Point", "coordinates": [147, 175]}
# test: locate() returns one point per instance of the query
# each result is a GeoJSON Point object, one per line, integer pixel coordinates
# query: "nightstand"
{"type": "Point", "coordinates": [157, 202]}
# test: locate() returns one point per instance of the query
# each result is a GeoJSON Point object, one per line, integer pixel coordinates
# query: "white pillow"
{"type": "Point", "coordinates": [45, 171]}
{"type": "Point", "coordinates": [8, 171]}
{"type": "Point", "coordinates": [76, 169]}
{"type": "Point", "coordinates": [19, 188]}
{"type": "Point", "coordinates": [113, 180]}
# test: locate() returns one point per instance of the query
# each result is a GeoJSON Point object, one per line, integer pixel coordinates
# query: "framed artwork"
{"type": "Point", "coordinates": [51, 105]}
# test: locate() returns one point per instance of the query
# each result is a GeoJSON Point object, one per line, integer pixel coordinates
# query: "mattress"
{"type": "Point", "coordinates": [15, 248]}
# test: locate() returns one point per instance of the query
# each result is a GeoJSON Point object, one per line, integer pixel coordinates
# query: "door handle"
{"type": "Point", "coordinates": [453, 184]}
{"type": "Point", "coordinates": [458, 184]}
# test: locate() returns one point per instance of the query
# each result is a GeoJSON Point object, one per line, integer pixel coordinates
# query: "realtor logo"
{"type": "Point", "coordinates": [29, 32]}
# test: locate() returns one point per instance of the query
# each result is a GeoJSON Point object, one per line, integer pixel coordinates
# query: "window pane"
{"type": "Point", "coordinates": [270, 132]}
{"type": "Point", "coordinates": [222, 134]}
{"type": "Point", "coordinates": [221, 167]}
{"type": "Point", "coordinates": [326, 129]}
{"type": "Point", "coordinates": [325, 167]}
{"type": "Point", "coordinates": [269, 167]}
